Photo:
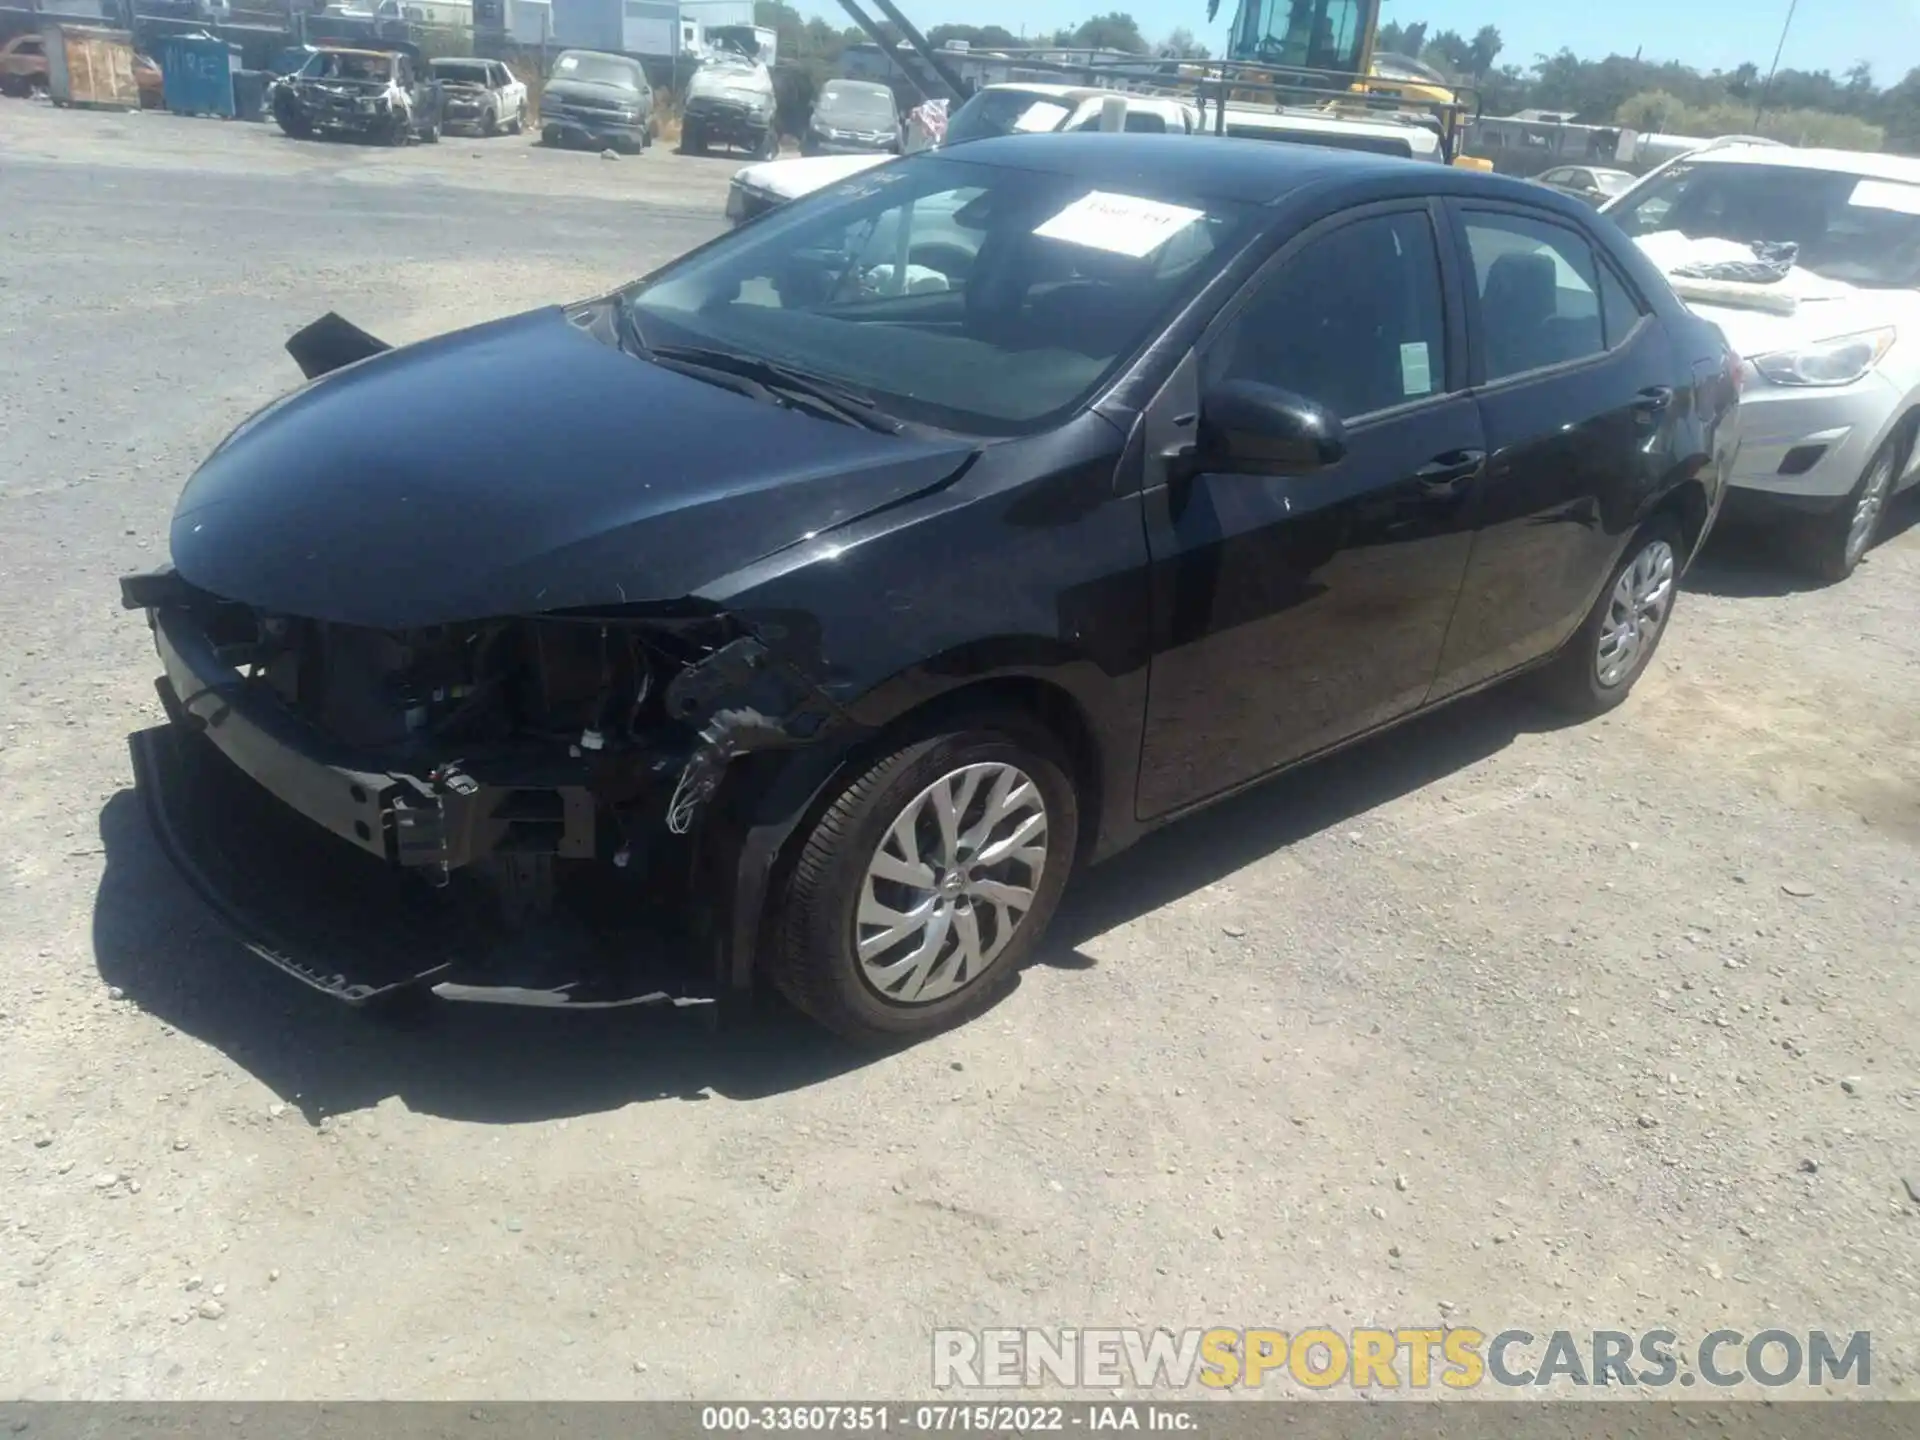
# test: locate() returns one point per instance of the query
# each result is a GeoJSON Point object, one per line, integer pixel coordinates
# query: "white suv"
{"type": "Point", "coordinates": [1809, 261]}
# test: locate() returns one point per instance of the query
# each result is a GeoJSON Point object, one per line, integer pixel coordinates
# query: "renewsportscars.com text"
{"type": "Point", "coordinates": [1406, 1357]}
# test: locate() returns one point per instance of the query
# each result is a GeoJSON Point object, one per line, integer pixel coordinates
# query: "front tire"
{"type": "Point", "coordinates": [1838, 541]}
{"type": "Point", "coordinates": [292, 123]}
{"type": "Point", "coordinates": [1611, 650]}
{"type": "Point", "coordinates": [927, 881]}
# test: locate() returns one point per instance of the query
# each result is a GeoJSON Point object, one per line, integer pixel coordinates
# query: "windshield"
{"type": "Point", "coordinates": [871, 106]}
{"type": "Point", "coordinates": [1847, 227]}
{"type": "Point", "coordinates": [969, 297]}
{"type": "Point", "coordinates": [349, 67]}
{"type": "Point", "coordinates": [1309, 34]}
{"type": "Point", "coordinates": [1005, 112]}
{"type": "Point", "coordinates": [462, 72]}
{"type": "Point", "coordinates": [599, 69]}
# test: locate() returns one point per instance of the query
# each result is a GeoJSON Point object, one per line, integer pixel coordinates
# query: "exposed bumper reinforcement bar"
{"type": "Point", "coordinates": [358, 929]}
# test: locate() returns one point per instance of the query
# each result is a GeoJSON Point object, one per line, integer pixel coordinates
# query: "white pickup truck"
{"type": "Point", "coordinates": [1031, 107]}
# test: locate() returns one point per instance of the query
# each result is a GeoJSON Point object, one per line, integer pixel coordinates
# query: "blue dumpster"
{"type": "Point", "coordinates": [196, 75]}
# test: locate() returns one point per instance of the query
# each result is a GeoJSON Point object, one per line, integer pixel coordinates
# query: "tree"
{"type": "Point", "coordinates": [1116, 31]}
{"type": "Point", "coordinates": [1448, 52]}
{"type": "Point", "coordinates": [1652, 112]}
{"type": "Point", "coordinates": [1182, 45]}
{"type": "Point", "coordinates": [1482, 50]}
{"type": "Point", "coordinates": [1899, 111]}
{"type": "Point", "coordinates": [977, 37]}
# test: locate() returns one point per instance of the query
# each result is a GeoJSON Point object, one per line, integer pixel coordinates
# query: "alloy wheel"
{"type": "Point", "coordinates": [1635, 612]}
{"type": "Point", "coordinates": [1866, 512]}
{"type": "Point", "coordinates": [952, 879]}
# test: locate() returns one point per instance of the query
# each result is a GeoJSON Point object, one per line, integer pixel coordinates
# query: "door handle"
{"type": "Point", "coordinates": [1654, 399]}
{"type": "Point", "coordinates": [1442, 477]}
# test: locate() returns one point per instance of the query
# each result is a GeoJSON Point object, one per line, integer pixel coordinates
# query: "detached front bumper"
{"type": "Point", "coordinates": [315, 859]}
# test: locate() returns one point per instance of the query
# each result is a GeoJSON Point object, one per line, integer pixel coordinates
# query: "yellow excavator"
{"type": "Point", "coordinates": [1330, 44]}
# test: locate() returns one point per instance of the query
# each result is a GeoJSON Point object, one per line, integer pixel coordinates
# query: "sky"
{"type": "Point", "coordinates": [1708, 34]}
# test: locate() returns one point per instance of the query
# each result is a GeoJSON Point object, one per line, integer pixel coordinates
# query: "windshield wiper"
{"type": "Point", "coordinates": [814, 392]}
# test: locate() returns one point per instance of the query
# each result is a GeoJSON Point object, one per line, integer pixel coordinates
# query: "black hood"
{"type": "Point", "coordinates": [518, 467]}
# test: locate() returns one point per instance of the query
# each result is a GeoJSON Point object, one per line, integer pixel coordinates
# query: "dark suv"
{"type": "Point", "coordinates": [851, 581]}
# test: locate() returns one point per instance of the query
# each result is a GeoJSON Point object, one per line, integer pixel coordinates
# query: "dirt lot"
{"type": "Point", "coordinates": [1591, 992]}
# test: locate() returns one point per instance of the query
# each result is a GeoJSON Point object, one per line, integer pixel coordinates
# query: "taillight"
{"type": "Point", "coordinates": [1736, 372]}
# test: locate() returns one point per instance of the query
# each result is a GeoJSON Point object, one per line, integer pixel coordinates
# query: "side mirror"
{"type": "Point", "coordinates": [1263, 430]}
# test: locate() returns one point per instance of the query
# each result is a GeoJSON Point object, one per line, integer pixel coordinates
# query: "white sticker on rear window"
{"type": "Point", "coordinates": [1886, 195]}
{"type": "Point", "coordinates": [1122, 224]}
{"type": "Point", "coordinates": [1040, 117]}
{"type": "Point", "coordinates": [1416, 370]}
{"type": "Point", "coordinates": [567, 62]}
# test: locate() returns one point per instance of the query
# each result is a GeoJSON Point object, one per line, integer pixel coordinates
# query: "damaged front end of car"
{"type": "Point", "coordinates": [494, 763]}
{"type": "Point", "coordinates": [575, 806]}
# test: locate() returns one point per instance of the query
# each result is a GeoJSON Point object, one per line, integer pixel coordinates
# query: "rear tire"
{"type": "Point", "coordinates": [965, 903]}
{"type": "Point", "coordinates": [692, 142]}
{"type": "Point", "coordinates": [1838, 541]}
{"type": "Point", "coordinates": [1599, 666]}
{"type": "Point", "coordinates": [550, 137]}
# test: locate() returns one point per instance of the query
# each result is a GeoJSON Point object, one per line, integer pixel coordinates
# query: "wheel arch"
{"type": "Point", "coordinates": [1687, 505]}
{"type": "Point", "coordinates": [770, 849]}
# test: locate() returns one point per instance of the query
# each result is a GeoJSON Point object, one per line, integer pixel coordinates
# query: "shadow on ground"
{"type": "Point", "coordinates": [1194, 853]}
{"type": "Point", "coordinates": [153, 938]}
{"type": "Point", "coordinates": [494, 1064]}
{"type": "Point", "coordinates": [1750, 561]}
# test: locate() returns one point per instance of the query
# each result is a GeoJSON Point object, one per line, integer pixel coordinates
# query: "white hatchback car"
{"type": "Point", "coordinates": [1809, 261]}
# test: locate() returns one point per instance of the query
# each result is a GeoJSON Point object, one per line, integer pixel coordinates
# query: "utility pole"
{"type": "Point", "coordinates": [1778, 50]}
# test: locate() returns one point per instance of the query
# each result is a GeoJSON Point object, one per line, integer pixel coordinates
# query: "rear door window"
{"type": "Point", "coordinates": [1538, 293]}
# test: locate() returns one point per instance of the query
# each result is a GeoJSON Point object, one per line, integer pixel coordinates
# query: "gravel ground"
{"type": "Point", "coordinates": [1487, 1021]}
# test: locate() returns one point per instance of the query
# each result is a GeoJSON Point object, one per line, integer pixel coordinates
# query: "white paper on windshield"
{"type": "Point", "coordinates": [1039, 117]}
{"type": "Point", "coordinates": [1886, 195]}
{"type": "Point", "coordinates": [1416, 369]}
{"type": "Point", "coordinates": [566, 62]}
{"type": "Point", "coordinates": [1122, 224]}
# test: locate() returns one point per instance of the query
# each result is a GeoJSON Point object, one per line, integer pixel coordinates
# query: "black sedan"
{"type": "Point", "coordinates": [832, 595]}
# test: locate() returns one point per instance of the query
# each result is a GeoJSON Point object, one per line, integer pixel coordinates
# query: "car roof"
{"type": "Point", "coordinates": [1844, 162]}
{"type": "Point", "coordinates": [1258, 172]}
{"type": "Point", "coordinates": [353, 50]}
{"type": "Point", "coordinates": [1050, 88]}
